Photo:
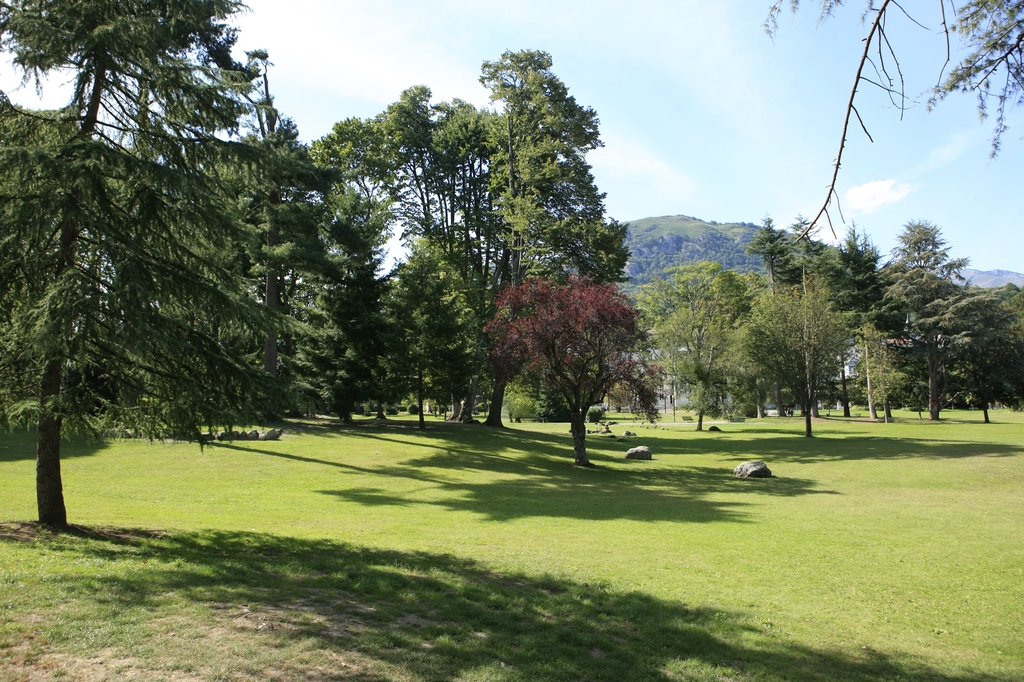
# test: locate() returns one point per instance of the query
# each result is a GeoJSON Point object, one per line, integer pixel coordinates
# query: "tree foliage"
{"type": "Point", "coordinates": [120, 310]}
{"type": "Point", "coordinates": [581, 338]}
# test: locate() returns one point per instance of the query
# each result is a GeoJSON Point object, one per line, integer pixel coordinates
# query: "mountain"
{"type": "Point", "coordinates": [990, 279]}
{"type": "Point", "coordinates": [667, 241]}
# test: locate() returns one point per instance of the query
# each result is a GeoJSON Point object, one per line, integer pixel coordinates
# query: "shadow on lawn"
{"type": "Point", "coordinates": [420, 615]}
{"type": "Point", "coordinates": [535, 478]}
{"type": "Point", "coordinates": [21, 445]}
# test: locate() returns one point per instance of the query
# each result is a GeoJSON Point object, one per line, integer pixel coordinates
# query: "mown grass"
{"type": "Point", "coordinates": [878, 552]}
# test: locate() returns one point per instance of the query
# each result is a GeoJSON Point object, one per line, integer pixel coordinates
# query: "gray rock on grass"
{"type": "Point", "coordinates": [755, 469]}
{"type": "Point", "coordinates": [639, 452]}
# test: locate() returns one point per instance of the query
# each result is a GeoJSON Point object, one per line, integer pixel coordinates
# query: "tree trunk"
{"type": "Point", "coordinates": [272, 301]}
{"type": "Point", "coordinates": [497, 400]}
{"type": "Point", "coordinates": [778, 399]}
{"type": "Point", "coordinates": [933, 388]}
{"type": "Point", "coordinates": [887, 410]}
{"type": "Point", "coordinates": [380, 409]}
{"type": "Point", "coordinates": [760, 409]}
{"type": "Point", "coordinates": [814, 410]}
{"type": "Point", "coordinates": [49, 488]}
{"type": "Point", "coordinates": [985, 411]}
{"type": "Point", "coordinates": [871, 396]}
{"type": "Point", "coordinates": [456, 410]}
{"type": "Point", "coordinates": [700, 421]}
{"type": "Point", "coordinates": [579, 439]}
{"type": "Point", "coordinates": [419, 397]}
{"type": "Point", "coordinates": [845, 395]}
{"type": "Point", "coordinates": [807, 424]}
{"type": "Point", "coordinates": [469, 404]}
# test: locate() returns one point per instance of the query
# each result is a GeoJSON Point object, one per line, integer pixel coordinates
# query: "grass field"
{"type": "Point", "coordinates": [878, 552]}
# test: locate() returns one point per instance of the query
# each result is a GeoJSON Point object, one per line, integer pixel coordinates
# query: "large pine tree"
{"type": "Point", "coordinates": [118, 309]}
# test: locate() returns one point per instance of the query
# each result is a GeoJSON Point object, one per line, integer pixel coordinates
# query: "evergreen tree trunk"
{"type": "Point", "coordinates": [933, 388]}
{"type": "Point", "coordinates": [497, 400]}
{"type": "Point", "coordinates": [272, 301]}
{"type": "Point", "coordinates": [871, 397]}
{"type": "Point", "coordinates": [49, 488]}
{"type": "Point", "coordinates": [579, 439]}
{"type": "Point", "coordinates": [469, 404]}
{"type": "Point", "coordinates": [456, 410]}
{"type": "Point", "coordinates": [419, 396]}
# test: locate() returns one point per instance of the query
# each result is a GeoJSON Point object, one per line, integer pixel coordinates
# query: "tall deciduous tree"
{"type": "Point", "coordinates": [800, 335]}
{"type": "Point", "coordinates": [582, 338]}
{"type": "Point", "coordinates": [696, 313]}
{"type": "Point", "coordinates": [115, 220]}
{"type": "Point", "coordinates": [552, 212]}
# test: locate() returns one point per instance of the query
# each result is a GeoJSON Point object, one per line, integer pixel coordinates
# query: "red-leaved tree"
{"type": "Point", "coordinates": [582, 338]}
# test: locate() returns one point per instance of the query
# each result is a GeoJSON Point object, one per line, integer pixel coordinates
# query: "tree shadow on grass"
{"type": "Point", "coordinates": [537, 480]}
{"type": "Point", "coordinates": [404, 614]}
{"type": "Point", "coordinates": [757, 445]}
{"type": "Point", "coordinates": [19, 446]}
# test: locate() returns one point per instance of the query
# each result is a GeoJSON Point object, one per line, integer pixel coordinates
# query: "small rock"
{"type": "Point", "coordinates": [639, 452]}
{"type": "Point", "coordinates": [714, 428]}
{"type": "Point", "coordinates": [627, 434]}
{"type": "Point", "coordinates": [621, 440]}
{"type": "Point", "coordinates": [756, 469]}
{"type": "Point", "coordinates": [253, 435]}
{"type": "Point", "coordinates": [223, 435]}
{"type": "Point", "coordinates": [272, 434]}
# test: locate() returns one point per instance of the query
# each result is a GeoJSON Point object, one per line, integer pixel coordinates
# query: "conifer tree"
{"type": "Point", "coordinates": [116, 221]}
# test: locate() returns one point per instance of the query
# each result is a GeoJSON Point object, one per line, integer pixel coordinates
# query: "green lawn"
{"type": "Point", "coordinates": [462, 553]}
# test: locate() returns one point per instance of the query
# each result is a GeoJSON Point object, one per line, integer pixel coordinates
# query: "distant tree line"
{"type": "Point", "coordinates": [834, 325]}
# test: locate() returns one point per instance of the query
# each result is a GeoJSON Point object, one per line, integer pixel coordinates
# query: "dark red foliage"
{"type": "Point", "coordinates": [583, 338]}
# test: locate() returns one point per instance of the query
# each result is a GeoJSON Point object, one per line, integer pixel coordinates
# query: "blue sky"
{"type": "Point", "coordinates": [701, 113]}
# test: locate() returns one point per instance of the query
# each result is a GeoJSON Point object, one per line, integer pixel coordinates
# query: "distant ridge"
{"type": "Point", "coordinates": [991, 279]}
{"type": "Point", "coordinates": [667, 241]}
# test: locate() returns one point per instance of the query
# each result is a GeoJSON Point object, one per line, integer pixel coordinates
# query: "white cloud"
{"type": "Point", "coordinates": [874, 195]}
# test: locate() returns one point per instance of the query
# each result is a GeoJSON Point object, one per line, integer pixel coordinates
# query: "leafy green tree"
{"type": "Point", "coordinates": [542, 187]}
{"type": "Point", "coordinates": [435, 325]}
{"type": "Point", "coordinates": [800, 335]}
{"type": "Point", "coordinates": [119, 309]}
{"type": "Point", "coordinates": [355, 289]}
{"type": "Point", "coordinates": [696, 313]}
{"type": "Point", "coordinates": [777, 252]}
{"type": "Point", "coordinates": [989, 354]}
{"type": "Point", "coordinates": [922, 276]}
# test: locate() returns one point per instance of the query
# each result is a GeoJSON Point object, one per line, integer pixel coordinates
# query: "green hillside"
{"type": "Point", "coordinates": [667, 241]}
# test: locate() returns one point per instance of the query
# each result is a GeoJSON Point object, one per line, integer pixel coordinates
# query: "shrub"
{"type": "Point", "coordinates": [595, 414]}
{"type": "Point", "coordinates": [391, 410]}
{"type": "Point", "coordinates": [414, 408]}
{"type": "Point", "coordinates": [359, 410]}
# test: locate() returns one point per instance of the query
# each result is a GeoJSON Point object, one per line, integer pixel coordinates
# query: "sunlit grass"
{"type": "Point", "coordinates": [878, 551]}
